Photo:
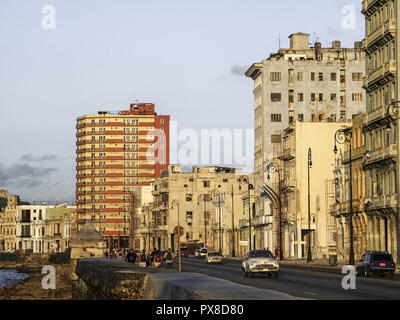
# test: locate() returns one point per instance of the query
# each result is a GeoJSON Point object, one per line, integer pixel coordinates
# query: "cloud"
{"type": "Point", "coordinates": [30, 158]}
{"type": "Point", "coordinates": [237, 70]}
{"type": "Point", "coordinates": [23, 175]}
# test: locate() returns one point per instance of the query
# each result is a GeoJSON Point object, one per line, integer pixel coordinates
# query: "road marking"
{"type": "Point", "coordinates": [311, 293]}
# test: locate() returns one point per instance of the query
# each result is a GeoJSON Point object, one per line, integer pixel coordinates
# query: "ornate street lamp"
{"type": "Point", "coordinates": [273, 167]}
{"type": "Point", "coordinates": [245, 180]}
{"type": "Point", "coordinates": [309, 165]}
{"type": "Point", "coordinates": [343, 136]}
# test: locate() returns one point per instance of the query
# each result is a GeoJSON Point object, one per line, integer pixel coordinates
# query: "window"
{"type": "Point", "coordinates": [321, 97]}
{"type": "Point", "coordinates": [301, 117]}
{"type": "Point", "coordinates": [276, 138]}
{"type": "Point", "coordinates": [333, 97]}
{"type": "Point", "coordinates": [275, 76]}
{"type": "Point", "coordinates": [291, 75]}
{"type": "Point", "coordinates": [189, 215]}
{"type": "Point", "coordinates": [321, 76]}
{"type": "Point", "coordinates": [312, 96]}
{"type": "Point", "coordinates": [357, 76]}
{"type": "Point", "coordinates": [312, 76]}
{"type": "Point", "coordinates": [357, 97]}
{"type": "Point", "coordinates": [333, 76]}
{"type": "Point", "coordinates": [276, 97]}
{"type": "Point", "coordinates": [300, 97]}
{"type": "Point", "coordinates": [206, 184]}
{"type": "Point", "coordinates": [276, 117]}
{"type": "Point", "coordinates": [299, 76]}
{"type": "Point", "coordinates": [189, 197]}
{"type": "Point", "coordinates": [291, 96]}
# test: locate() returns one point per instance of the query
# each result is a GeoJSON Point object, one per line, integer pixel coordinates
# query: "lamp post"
{"type": "Point", "coordinates": [216, 193]}
{"type": "Point", "coordinates": [233, 224]}
{"type": "Point", "coordinates": [343, 136]}
{"type": "Point", "coordinates": [394, 109]}
{"type": "Point", "coordinates": [309, 166]}
{"type": "Point", "coordinates": [245, 180]}
{"type": "Point", "coordinates": [202, 197]}
{"type": "Point", "coordinates": [176, 203]}
{"type": "Point", "coordinates": [273, 167]}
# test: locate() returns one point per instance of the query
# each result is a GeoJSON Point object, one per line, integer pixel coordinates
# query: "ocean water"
{"type": "Point", "coordinates": [8, 277]}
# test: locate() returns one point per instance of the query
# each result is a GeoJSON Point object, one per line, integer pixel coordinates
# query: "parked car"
{"type": "Point", "coordinates": [260, 261]}
{"type": "Point", "coordinates": [213, 257]}
{"type": "Point", "coordinates": [196, 253]}
{"type": "Point", "coordinates": [376, 263]}
{"type": "Point", "coordinates": [203, 253]}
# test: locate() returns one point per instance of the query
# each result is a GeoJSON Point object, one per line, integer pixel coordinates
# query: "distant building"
{"type": "Point", "coordinates": [8, 225]}
{"type": "Point", "coordinates": [116, 153]}
{"type": "Point", "coordinates": [40, 228]}
{"type": "Point", "coordinates": [207, 220]}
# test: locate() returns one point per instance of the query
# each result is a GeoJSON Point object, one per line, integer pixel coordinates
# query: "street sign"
{"type": "Point", "coordinates": [178, 231]}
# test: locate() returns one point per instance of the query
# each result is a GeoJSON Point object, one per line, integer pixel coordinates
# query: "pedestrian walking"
{"type": "Point", "coordinates": [131, 256]}
{"type": "Point", "coordinates": [168, 258]}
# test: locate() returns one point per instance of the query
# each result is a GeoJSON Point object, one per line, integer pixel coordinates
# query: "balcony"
{"type": "Point", "coordinates": [262, 220]}
{"type": "Point", "coordinates": [386, 71]}
{"type": "Point", "coordinates": [382, 156]}
{"type": "Point", "coordinates": [289, 153]}
{"type": "Point", "coordinates": [383, 204]}
{"type": "Point", "coordinates": [344, 208]}
{"type": "Point", "coordinates": [162, 227]}
{"type": "Point", "coordinates": [244, 223]}
{"type": "Point", "coordinates": [385, 30]}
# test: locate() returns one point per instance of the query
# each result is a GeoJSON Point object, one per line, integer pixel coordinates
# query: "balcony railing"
{"type": "Point", "coordinates": [262, 220]}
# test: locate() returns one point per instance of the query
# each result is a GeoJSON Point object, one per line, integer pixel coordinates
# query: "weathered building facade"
{"type": "Point", "coordinates": [208, 205]}
{"type": "Point", "coordinates": [382, 85]}
{"type": "Point", "coordinates": [341, 208]}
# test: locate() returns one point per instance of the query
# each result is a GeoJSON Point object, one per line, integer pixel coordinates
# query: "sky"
{"type": "Point", "coordinates": [187, 57]}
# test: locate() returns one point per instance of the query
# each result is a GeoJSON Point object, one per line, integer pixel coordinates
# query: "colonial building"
{"type": "Point", "coordinates": [381, 83]}
{"type": "Point", "coordinates": [8, 225]}
{"type": "Point", "coordinates": [116, 153]}
{"type": "Point", "coordinates": [40, 228]}
{"type": "Point", "coordinates": [208, 205]}
{"type": "Point", "coordinates": [298, 139]}
{"type": "Point", "coordinates": [303, 83]}
{"type": "Point", "coordinates": [60, 226]}
{"type": "Point", "coordinates": [341, 206]}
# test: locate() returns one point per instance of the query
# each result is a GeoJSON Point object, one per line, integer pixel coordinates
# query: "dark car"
{"type": "Point", "coordinates": [376, 263]}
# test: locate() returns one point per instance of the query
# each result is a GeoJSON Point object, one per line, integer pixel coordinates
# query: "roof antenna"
{"type": "Point", "coordinates": [134, 97]}
{"type": "Point", "coordinates": [279, 42]}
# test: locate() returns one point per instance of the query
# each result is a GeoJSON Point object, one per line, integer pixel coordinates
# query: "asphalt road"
{"type": "Point", "coordinates": [300, 283]}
